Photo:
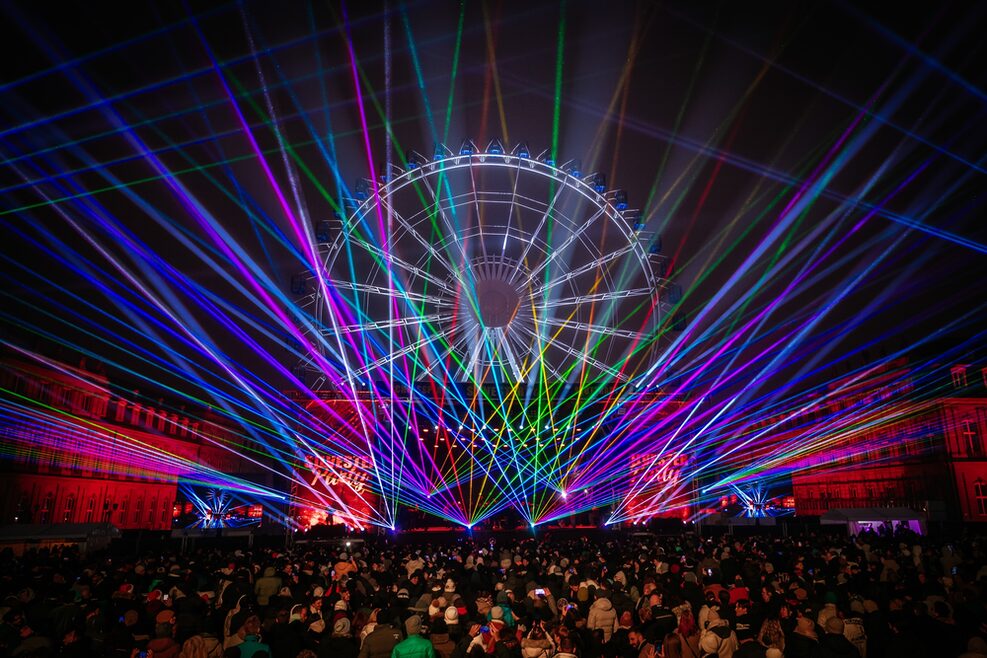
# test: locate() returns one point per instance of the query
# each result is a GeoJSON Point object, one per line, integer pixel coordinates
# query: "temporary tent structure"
{"type": "Point", "coordinates": [873, 518]}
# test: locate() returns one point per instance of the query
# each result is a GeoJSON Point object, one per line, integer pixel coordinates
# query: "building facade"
{"type": "Point", "coordinates": [912, 442]}
{"type": "Point", "coordinates": [74, 451]}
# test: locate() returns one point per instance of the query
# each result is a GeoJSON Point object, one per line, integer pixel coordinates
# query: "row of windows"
{"type": "Point", "coordinates": [980, 497]}
{"type": "Point", "coordinates": [92, 512]}
{"type": "Point", "coordinates": [959, 375]}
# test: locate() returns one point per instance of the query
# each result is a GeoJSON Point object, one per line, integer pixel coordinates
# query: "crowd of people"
{"type": "Point", "coordinates": [873, 596]}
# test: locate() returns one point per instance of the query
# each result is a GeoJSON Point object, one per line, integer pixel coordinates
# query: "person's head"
{"type": "Point", "coordinates": [834, 626]}
{"type": "Point", "coordinates": [771, 634]}
{"type": "Point", "coordinates": [742, 607]}
{"type": "Point", "coordinates": [567, 645]}
{"type": "Point", "coordinates": [636, 638]}
{"type": "Point", "coordinates": [671, 646]}
{"type": "Point", "coordinates": [252, 625]}
{"type": "Point", "coordinates": [413, 625]}
{"type": "Point", "coordinates": [687, 623]}
{"type": "Point", "coordinates": [341, 628]}
{"type": "Point", "coordinates": [536, 632]}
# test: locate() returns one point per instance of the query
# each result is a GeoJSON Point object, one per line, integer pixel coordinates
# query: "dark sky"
{"type": "Point", "coordinates": [711, 115]}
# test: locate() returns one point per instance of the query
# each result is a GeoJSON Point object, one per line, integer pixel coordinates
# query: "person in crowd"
{"type": "Point", "coordinates": [885, 595]}
{"type": "Point", "coordinates": [414, 645]}
{"type": "Point", "coordinates": [802, 642]}
{"type": "Point", "coordinates": [718, 639]}
{"type": "Point", "coordinates": [833, 643]}
{"type": "Point", "coordinates": [640, 644]}
{"type": "Point", "coordinates": [340, 643]}
{"type": "Point", "coordinates": [602, 616]}
{"type": "Point", "coordinates": [381, 641]}
{"type": "Point", "coordinates": [537, 643]}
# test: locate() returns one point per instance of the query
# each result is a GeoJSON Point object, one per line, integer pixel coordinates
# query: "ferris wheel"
{"type": "Point", "coordinates": [489, 268]}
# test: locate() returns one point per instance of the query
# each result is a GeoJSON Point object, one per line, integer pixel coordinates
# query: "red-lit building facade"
{"type": "Point", "coordinates": [76, 452]}
{"type": "Point", "coordinates": [917, 443]}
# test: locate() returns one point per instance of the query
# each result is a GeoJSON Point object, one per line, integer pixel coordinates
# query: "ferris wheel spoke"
{"type": "Point", "coordinates": [541, 223]}
{"type": "Point", "coordinates": [394, 356]}
{"type": "Point", "coordinates": [452, 230]}
{"type": "Point", "coordinates": [389, 257]}
{"type": "Point", "coordinates": [383, 291]}
{"type": "Point", "coordinates": [592, 328]}
{"type": "Point", "coordinates": [608, 296]}
{"type": "Point", "coordinates": [561, 249]}
{"type": "Point", "coordinates": [420, 239]}
{"type": "Point", "coordinates": [476, 209]}
{"type": "Point", "coordinates": [394, 323]}
{"type": "Point", "coordinates": [586, 358]}
{"type": "Point", "coordinates": [512, 204]}
{"type": "Point", "coordinates": [470, 365]}
{"type": "Point", "coordinates": [588, 267]}
{"type": "Point", "coordinates": [505, 345]}
{"type": "Point", "coordinates": [439, 358]}
{"type": "Point", "coordinates": [537, 351]}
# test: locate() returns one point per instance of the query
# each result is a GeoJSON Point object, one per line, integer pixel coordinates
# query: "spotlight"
{"type": "Point", "coordinates": [655, 247]}
{"type": "Point", "coordinates": [441, 152]}
{"type": "Point", "coordinates": [364, 187]}
{"type": "Point", "coordinates": [598, 181]}
{"type": "Point", "coordinates": [415, 159]}
{"type": "Point", "coordinates": [323, 230]}
{"type": "Point", "coordinates": [522, 151]}
{"type": "Point", "coordinates": [467, 148]}
{"type": "Point", "coordinates": [573, 168]}
{"type": "Point", "coordinates": [547, 158]}
{"type": "Point", "coordinates": [495, 147]}
{"type": "Point", "coordinates": [620, 199]}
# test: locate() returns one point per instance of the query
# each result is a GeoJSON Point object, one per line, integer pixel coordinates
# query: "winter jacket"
{"type": "Point", "coordinates": [251, 645]}
{"type": "Point", "coordinates": [380, 642]}
{"type": "Point", "coordinates": [442, 644]}
{"type": "Point", "coordinates": [414, 647]}
{"type": "Point", "coordinates": [602, 616]}
{"type": "Point", "coordinates": [718, 639]}
{"type": "Point", "coordinates": [853, 630]}
{"type": "Point", "coordinates": [536, 648]}
{"type": "Point", "coordinates": [267, 586]}
{"type": "Point", "coordinates": [202, 646]}
{"type": "Point", "coordinates": [164, 647]}
{"type": "Point", "coordinates": [336, 646]}
{"type": "Point", "coordinates": [835, 646]}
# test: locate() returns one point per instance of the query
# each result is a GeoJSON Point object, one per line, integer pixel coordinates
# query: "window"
{"type": "Point", "coordinates": [980, 494]}
{"type": "Point", "coordinates": [959, 376]}
{"type": "Point", "coordinates": [90, 509]}
{"type": "Point", "coordinates": [46, 506]}
{"type": "Point", "coordinates": [21, 513]}
{"type": "Point", "coordinates": [971, 439]}
{"type": "Point", "coordinates": [69, 509]}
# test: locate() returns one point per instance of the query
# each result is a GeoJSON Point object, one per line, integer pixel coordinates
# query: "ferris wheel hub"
{"type": "Point", "coordinates": [497, 302]}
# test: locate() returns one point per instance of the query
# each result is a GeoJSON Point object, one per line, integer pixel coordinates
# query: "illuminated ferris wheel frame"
{"type": "Point", "coordinates": [487, 267]}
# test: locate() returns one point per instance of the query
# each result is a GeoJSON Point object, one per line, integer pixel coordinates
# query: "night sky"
{"type": "Point", "coordinates": [713, 116]}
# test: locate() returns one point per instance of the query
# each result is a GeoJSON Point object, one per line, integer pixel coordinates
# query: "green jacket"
{"type": "Point", "coordinates": [414, 647]}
